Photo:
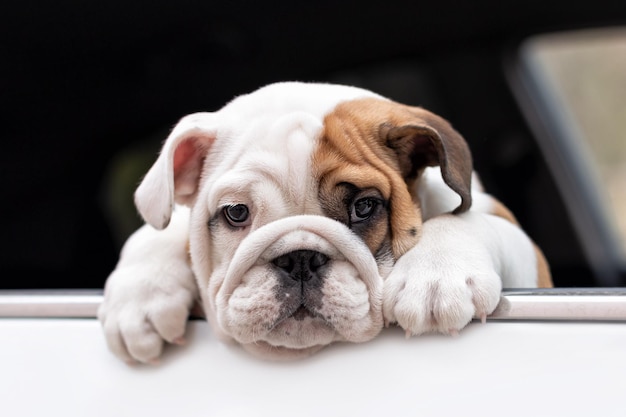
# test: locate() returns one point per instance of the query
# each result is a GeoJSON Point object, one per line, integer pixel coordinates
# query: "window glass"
{"type": "Point", "coordinates": [587, 72]}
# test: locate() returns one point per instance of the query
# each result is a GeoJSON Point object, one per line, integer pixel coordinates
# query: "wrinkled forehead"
{"type": "Point", "coordinates": [269, 156]}
{"type": "Point", "coordinates": [271, 135]}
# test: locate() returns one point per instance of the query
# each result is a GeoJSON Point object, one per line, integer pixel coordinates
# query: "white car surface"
{"type": "Point", "coordinates": [541, 354]}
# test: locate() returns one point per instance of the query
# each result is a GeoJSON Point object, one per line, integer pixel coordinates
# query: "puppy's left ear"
{"type": "Point", "coordinates": [429, 140]}
{"type": "Point", "coordinates": [175, 176]}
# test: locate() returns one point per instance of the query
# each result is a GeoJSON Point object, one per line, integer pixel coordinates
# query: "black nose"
{"type": "Point", "coordinates": [301, 265]}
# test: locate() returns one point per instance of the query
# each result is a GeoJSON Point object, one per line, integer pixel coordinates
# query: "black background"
{"type": "Point", "coordinates": [80, 81]}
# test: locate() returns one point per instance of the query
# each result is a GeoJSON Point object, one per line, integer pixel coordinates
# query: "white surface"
{"type": "Point", "coordinates": [61, 367]}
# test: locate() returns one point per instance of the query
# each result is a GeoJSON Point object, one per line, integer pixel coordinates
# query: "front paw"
{"type": "Point", "coordinates": [144, 308]}
{"type": "Point", "coordinates": [435, 289]}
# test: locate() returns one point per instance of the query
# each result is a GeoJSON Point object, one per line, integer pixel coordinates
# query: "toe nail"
{"type": "Point", "coordinates": [179, 341]}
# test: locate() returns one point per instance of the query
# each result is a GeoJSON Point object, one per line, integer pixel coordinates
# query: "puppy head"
{"type": "Point", "coordinates": [302, 198]}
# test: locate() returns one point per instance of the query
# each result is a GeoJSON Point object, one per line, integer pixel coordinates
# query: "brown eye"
{"type": "Point", "coordinates": [237, 215]}
{"type": "Point", "coordinates": [362, 209]}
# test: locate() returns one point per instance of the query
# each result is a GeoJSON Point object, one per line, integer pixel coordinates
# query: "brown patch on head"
{"type": "Point", "coordinates": [379, 146]}
{"type": "Point", "coordinates": [351, 196]}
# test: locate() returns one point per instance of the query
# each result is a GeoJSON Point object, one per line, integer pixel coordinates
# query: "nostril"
{"type": "Point", "coordinates": [301, 265]}
{"type": "Point", "coordinates": [317, 259]}
{"type": "Point", "coordinates": [284, 262]}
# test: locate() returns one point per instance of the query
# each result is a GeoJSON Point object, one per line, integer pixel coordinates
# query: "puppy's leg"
{"type": "Point", "coordinates": [456, 271]}
{"type": "Point", "coordinates": [148, 296]}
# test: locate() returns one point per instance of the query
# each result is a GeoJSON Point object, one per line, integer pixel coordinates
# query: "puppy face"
{"type": "Point", "coordinates": [302, 199]}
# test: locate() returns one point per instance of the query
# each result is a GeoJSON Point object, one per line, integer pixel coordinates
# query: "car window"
{"type": "Point", "coordinates": [582, 75]}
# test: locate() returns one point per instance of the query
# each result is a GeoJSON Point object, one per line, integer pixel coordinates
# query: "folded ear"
{"type": "Point", "coordinates": [429, 140]}
{"type": "Point", "coordinates": [175, 175]}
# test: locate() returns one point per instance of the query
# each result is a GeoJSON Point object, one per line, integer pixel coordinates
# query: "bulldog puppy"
{"type": "Point", "coordinates": [305, 214]}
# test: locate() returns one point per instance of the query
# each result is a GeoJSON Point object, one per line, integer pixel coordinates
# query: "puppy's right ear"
{"type": "Point", "coordinates": [175, 175]}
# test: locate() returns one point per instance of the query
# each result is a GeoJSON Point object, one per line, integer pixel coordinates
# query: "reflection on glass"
{"type": "Point", "coordinates": [587, 71]}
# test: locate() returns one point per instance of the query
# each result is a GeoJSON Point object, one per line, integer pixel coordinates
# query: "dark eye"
{"type": "Point", "coordinates": [362, 209]}
{"type": "Point", "coordinates": [237, 215]}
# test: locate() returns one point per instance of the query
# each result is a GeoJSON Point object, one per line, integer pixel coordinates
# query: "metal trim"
{"type": "Point", "coordinates": [550, 122]}
{"type": "Point", "coordinates": [562, 304]}
{"type": "Point", "coordinates": [569, 304]}
{"type": "Point", "coordinates": [50, 304]}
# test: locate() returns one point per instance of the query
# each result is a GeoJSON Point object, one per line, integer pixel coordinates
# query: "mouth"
{"type": "Point", "coordinates": [298, 313]}
{"type": "Point", "coordinates": [300, 329]}
{"type": "Point", "coordinates": [301, 313]}
{"type": "Point", "coordinates": [297, 322]}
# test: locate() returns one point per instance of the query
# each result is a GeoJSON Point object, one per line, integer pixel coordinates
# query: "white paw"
{"type": "Point", "coordinates": [440, 285]}
{"type": "Point", "coordinates": [143, 308]}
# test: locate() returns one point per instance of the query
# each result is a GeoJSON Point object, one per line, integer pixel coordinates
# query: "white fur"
{"type": "Point", "coordinates": [458, 268]}
{"type": "Point", "coordinates": [456, 272]}
{"type": "Point", "coordinates": [150, 292]}
{"type": "Point", "coordinates": [256, 151]}
{"type": "Point", "coordinates": [260, 147]}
